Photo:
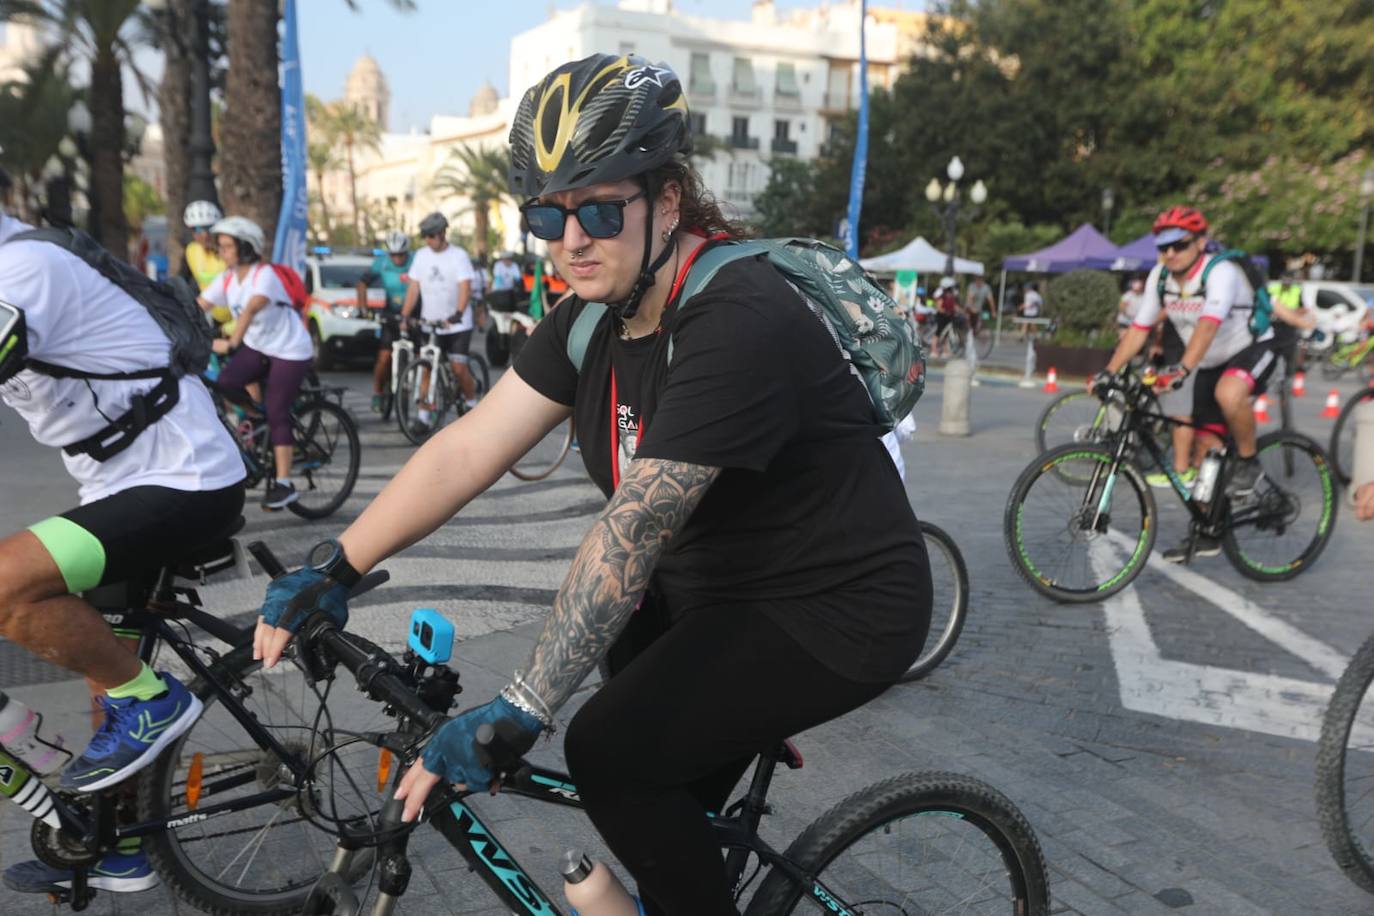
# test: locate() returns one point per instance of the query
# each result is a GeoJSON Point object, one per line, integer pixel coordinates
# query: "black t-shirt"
{"type": "Point", "coordinates": [808, 521]}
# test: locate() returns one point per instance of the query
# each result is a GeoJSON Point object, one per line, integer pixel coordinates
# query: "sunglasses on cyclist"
{"type": "Point", "coordinates": [600, 219]}
{"type": "Point", "coordinates": [1180, 245]}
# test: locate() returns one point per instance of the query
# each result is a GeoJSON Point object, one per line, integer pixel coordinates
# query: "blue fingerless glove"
{"type": "Point", "coordinates": [453, 754]}
{"type": "Point", "coordinates": [294, 597]}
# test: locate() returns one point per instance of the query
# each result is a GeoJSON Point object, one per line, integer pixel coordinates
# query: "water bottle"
{"type": "Point", "coordinates": [593, 889]}
{"type": "Point", "coordinates": [27, 791]}
{"type": "Point", "coordinates": [20, 737]}
{"type": "Point", "coordinates": [1207, 474]}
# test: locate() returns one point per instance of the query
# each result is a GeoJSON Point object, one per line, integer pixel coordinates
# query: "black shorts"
{"type": "Point", "coordinates": [135, 532]}
{"type": "Point", "coordinates": [391, 331]}
{"type": "Point", "coordinates": [455, 346]}
{"type": "Point", "coordinates": [1255, 364]}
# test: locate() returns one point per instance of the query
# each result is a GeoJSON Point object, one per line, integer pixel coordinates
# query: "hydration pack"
{"type": "Point", "coordinates": [1262, 311]}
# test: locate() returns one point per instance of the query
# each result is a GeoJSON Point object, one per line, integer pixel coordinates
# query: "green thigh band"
{"type": "Point", "coordinates": [78, 553]}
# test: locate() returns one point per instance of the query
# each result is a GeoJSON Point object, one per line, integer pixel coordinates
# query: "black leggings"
{"type": "Point", "coordinates": [667, 738]}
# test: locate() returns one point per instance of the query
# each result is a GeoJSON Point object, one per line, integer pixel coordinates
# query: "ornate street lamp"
{"type": "Point", "coordinates": [1366, 193]}
{"type": "Point", "coordinates": [945, 201]}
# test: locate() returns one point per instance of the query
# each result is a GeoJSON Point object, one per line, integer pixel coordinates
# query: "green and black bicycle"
{"type": "Point", "coordinates": [1081, 520]}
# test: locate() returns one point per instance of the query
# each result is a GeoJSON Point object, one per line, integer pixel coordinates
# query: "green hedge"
{"type": "Point", "coordinates": [1084, 304]}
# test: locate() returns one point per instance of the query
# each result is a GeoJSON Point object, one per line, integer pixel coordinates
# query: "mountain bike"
{"type": "Point", "coordinates": [1080, 520]}
{"type": "Point", "coordinates": [1345, 357]}
{"type": "Point", "coordinates": [428, 388]}
{"type": "Point", "coordinates": [1082, 417]}
{"type": "Point", "coordinates": [1342, 446]}
{"type": "Point", "coordinates": [949, 600]}
{"type": "Point", "coordinates": [224, 814]}
{"type": "Point", "coordinates": [955, 336]}
{"type": "Point", "coordinates": [326, 452]}
{"type": "Point", "coordinates": [920, 842]}
{"type": "Point", "coordinates": [402, 352]}
{"type": "Point", "coordinates": [1345, 770]}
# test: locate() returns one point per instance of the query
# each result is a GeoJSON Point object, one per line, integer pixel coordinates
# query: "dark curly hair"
{"type": "Point", "coordinates": [699, 207]}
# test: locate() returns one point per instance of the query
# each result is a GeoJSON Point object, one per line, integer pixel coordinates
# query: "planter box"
{"type": "Point", "coordinates": [1077, 361]}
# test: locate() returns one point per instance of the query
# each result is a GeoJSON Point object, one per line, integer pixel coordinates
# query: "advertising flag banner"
{"type": "Point", "coordinates": [293, 222]}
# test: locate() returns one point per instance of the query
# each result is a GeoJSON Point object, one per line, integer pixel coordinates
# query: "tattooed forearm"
{"type": "Point", "coordinates": [611, 570]}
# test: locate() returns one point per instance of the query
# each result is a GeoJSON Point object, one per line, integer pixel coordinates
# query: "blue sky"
{"type": "Point", "coordinates": [435, 58]}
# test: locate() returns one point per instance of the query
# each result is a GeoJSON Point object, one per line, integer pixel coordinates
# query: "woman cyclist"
{"type": "Point", "coordinates": [269, 342]}
{"type": "Point", "coordinates": [757, 570]}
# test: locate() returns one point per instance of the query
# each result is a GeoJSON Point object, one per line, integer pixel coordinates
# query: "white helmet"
{"type": "Point", "coordinates": [243, 229]}
{"type": "Point", "coordinates": [396, 242]}
{"type": "Point", "coordinates": [201, 214]}
{"type": "Point", "coordinates": [946, 282]}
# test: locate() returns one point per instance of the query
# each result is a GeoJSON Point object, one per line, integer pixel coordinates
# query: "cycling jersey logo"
{"type": "Point", "coordinates": [646, 74]}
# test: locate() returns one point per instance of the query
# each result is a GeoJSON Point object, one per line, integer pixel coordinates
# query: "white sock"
{"type": "Point", "coordinates": [285, 482]}
{"type": "Point", "coordinates": [469, 404]}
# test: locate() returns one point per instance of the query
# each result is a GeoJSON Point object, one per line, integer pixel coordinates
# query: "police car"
{"type": "Point", "coordinates": [340, 327]}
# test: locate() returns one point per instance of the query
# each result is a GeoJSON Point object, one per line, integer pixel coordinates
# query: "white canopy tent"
{"type": "Point", "coordinates": [920, 256]}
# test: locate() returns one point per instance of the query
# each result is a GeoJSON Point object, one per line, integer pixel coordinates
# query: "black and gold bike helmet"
{"type": "Point", "coordinates": [601, 119]}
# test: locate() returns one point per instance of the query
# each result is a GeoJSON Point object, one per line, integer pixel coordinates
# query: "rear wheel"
{"type": "Point", "coordinates": [1284, 527]}
{"type": "Point", "coordinates": [1342, 448]}
{"type": "Point", "coordinates": [949, 600]}
{"type": "Point", "coordinates": [920, 843]}
{"type": "Point", "coordinates": [1345, 770]}
{"type": "Point", "coordinates": [1075, 531]}
{"type": "Point", "coordinates": [325, 463]}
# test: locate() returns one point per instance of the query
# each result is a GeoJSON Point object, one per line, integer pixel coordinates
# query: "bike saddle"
{"type": "Point", "coordinates": [216, 554]}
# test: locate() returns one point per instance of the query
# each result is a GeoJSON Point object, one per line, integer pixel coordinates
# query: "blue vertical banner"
{"type": "Point", "coordinates": [860, 166]}
{"type": "Point", "coordinates": [293, 223]}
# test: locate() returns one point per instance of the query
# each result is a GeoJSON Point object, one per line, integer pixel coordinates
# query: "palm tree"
{"type": "Point", "coordinates": [480, 174]}
{"type": "Point", "coordinates": [323, 159]}
{"type": "Point", "coordinates": [101, 33]}
{"type": "Point", "coordinates": [250, 129]}
{"type": "Point", "coordinates": [33, 123]}
{"type": "Point", "coordinates": [352, 128]}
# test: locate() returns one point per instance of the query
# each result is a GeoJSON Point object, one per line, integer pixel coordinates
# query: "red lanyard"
{"type": "Point", "coordinates": [615, 401]}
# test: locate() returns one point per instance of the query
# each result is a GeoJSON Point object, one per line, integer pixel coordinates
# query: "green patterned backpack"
{"type": "Point", "coordinates": [880, 344]}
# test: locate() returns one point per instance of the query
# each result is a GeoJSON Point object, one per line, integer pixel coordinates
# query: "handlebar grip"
{"type": "Point", "coordinates": [493, 750]}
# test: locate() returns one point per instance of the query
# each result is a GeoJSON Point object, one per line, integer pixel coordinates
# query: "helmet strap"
{"type": "Point", "coordinates": [630, 305]}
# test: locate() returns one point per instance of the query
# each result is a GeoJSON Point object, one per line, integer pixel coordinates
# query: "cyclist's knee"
{"type": "Point", "coordinates": [28, 574]}
{"type": "Point", "coordinates": [1233, 392]}
{"type": "Point", "coordinates": [595, 746]}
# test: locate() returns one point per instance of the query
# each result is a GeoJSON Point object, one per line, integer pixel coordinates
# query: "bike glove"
{"type": "Point", "coordinates": [1101, 381]}
{"type": "Point", "coordinates": [453, 753]}
{"type": "Point", "coordinates": [1173, 377]}
{"type": "Point", "coordinates": [295, 596]}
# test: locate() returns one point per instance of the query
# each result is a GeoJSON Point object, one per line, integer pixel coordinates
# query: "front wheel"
{"type": "Point", "coordinates": [918, 843]}
{"type": "Point", "coordinates": [325, 460]}
{"type": "Point", "coordinates": [421, 407]}
{"type": "Point", "coordinates": [1076, 530]}
{"type": "Point", "coordinates": [1282, 529]}
{"type": "Point", "coordinates": [1345, 770]}
{"type": "Point", "coordinates": [542, 460]}
{"type": "Point", "coordinates": [1342, 448]}
{"type": "Point", "coordinates": [949, 600]}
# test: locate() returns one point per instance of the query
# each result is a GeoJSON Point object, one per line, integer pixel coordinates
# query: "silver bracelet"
{"type": "Point", "coordinates": [511, 696]}
{"type": "Point", "coordinates": [534, 695]}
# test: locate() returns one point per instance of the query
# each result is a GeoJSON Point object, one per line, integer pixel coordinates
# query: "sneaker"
{"type": "Point", "coordinates": [119, 873]}
{"type": "Point", "coordinates": [376, 403]}
{"type": "Point", "coordinates": [1202, 546]}
{"type": "Point", "coordinates": [468, 405]}
{"type": "Point", "coordinates": [279, 496]}
{"type": "Point", "coordinates": [1160, 480]}
{"type": "Point", "coordinates": [424, 417]}
{"type": "Point", "coordinates": [134, 733]}
{"type": "Point", "coordinates": [1244, 479]}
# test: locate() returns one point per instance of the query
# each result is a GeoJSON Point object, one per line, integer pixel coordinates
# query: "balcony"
{"type": "Point", "coordinates": [836, 101]}
{"type": "Point", "coordinates": [736, 141]}
{"type": "Point", "coordinates": [781, 146]}
{"type": "Point", "coordinates": [701, 90]}
{"type": "Point", "coordinates": [745, 96]}
{"type": "Point", "coordinates": [787, 101]}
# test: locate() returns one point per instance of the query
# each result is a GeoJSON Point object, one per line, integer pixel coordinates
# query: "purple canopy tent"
{"type": "Point", "coordinates": [1084, 247]}
{"type": "Point", "coordinates": [1140, 255]}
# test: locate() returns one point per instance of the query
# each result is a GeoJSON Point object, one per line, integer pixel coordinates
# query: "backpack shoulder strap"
{"type": "Point", "coordinates": [707, 265]}
{"type": "Point", "coordinates": [580, 334]}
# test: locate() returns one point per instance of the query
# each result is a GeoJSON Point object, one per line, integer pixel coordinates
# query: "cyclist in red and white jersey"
{"type": "Point", "coordinates": [1232, 364]}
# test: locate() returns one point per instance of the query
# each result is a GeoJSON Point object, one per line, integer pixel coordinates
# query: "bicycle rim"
{"type": "Point", "coordinates": [1345, 770]}
{"type": "Point", "coordinates": [264, 859]}
{"type": "Point", "coordinates": [1074, 533]}
{"type": "Point", "coordinates": [1075, 417]}
{"type": "Point", "coordinates": [932, 843]}
{"type": "Point", "coordinates": [542, 460]}
{"type": "Point", "coordinates": [1342, 448]}
{"type": "Point", "coordinates": [1282, 529]}
{"type": "Point", "coordinates": [408, 406]}
{"type": "Point", "coordinates": [949, 600]}
{"type": "Point", "coordinates": [325, 463]}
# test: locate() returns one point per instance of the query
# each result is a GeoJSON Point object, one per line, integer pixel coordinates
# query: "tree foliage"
{"type": "Point", "coordinates": [480, 175]}
{"type": "Point", "coordinates": [1084, 302]}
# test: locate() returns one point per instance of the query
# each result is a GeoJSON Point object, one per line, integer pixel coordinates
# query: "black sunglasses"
{"type": "Point", "coordinates": [600, 219]}
{"type": "Point", "coordinates": [1179, 245]}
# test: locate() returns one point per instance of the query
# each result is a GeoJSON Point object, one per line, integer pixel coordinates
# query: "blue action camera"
{"type": "Point", "coordinates": [431, 636]}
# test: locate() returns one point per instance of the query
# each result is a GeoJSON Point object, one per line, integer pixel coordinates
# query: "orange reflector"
{"type": "Point", "coordinates": [193, 781]}
{"type": "Point", "coordinates": [383, 769]}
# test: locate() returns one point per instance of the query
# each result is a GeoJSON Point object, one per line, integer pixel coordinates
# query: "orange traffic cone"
{"type": "Point", "coordinates": [1052, 382]}
{"type": "Point", "coordinates": [1261, 409]}
{"type": "Point", "coordinates": [1299, 384]}
{"type": "Point", "coordinates": [1332, 410]}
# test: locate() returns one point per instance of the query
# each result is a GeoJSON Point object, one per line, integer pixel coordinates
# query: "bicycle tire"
{"type": "Point", "coordinates": [901, 803]}
{"type": "Point", "coordinates": [481, 373]}
{"type": "Point", "coordinates": [949, 606]}
{"type": "Point", "coordinates": [1138, 536]}
{"type": "Point", "coordinates": [1278, 448]}
{"type": "Point", "coordinates": [1352, 854]}
{"type": "Point", "coordinates": [1342, 446]}
{"type": "Point", "coordinates": [524, 470]}
{"type": "Point", "coordinates": [328, 476]}
{"type": "Point", "coordinates": [1066, 406]}
{"type": "Point", "coordinates": [400, 360]}
{"type": "Point", "coordinates": [407, 405]}
{"type": "Point", "coordinates": [187, 856]}
{"type": "Point", "coordinates": [984, 339]}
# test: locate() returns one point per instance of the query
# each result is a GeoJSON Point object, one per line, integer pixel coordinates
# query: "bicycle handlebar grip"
{"type": "Point", "coordinates": [492, 749]}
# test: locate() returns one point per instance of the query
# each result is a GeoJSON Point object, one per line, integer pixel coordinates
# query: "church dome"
{"type": "Point", "coordinates": [484, 102]}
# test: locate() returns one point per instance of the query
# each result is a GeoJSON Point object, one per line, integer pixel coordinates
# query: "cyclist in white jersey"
{"type": "Point", "coordinates": [1231, 364]}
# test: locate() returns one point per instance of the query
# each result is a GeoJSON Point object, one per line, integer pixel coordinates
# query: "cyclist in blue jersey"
{"type": "Point", "coordinates": [393, 269]}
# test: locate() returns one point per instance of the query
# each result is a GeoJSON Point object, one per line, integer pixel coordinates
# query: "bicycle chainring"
{"type": "Point", "coordinates": [58, 849]}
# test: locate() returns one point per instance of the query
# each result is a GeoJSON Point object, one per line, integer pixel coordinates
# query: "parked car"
{"type": "Point", "coordinates": [341, 328]}
{"type": "Point", "coordinates": [1325, 294]}
{"type": "Point", "coordinates": [1342, 310]}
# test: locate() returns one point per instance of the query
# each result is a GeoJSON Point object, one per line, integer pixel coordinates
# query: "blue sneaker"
{"type": "Point", "coordinates": [134, 733]}
{"type": "Point", "coordinates": [116, 872]}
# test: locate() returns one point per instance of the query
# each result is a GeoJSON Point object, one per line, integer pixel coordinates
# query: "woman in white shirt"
{"type": "Point", "coordinates": [269, 342]}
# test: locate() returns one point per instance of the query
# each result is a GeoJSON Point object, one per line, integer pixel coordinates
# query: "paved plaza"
{"type": "Point", "coordinates": [1160, 743]}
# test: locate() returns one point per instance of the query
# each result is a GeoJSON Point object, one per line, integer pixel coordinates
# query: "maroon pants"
{"type": "Point", "coordinates": [283, 376]}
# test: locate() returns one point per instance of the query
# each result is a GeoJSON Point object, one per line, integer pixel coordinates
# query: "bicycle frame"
{"type": "Point", "coordinates": [499, 870]}
{"type": "Point", "coordinates": [402, 352]}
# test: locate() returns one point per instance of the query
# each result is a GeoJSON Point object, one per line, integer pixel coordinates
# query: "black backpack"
{"type": "Point", "coordinates": [173, 306]}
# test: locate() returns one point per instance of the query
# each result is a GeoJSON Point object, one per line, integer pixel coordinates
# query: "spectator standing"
{"type": "Point", "coordinates": [1031, 305]}
{"type": "Point", "coordinates": [1129, 305]}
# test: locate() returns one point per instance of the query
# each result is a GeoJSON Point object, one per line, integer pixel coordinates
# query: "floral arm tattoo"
{"type": "Point", "coordinates": [611, 571]}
